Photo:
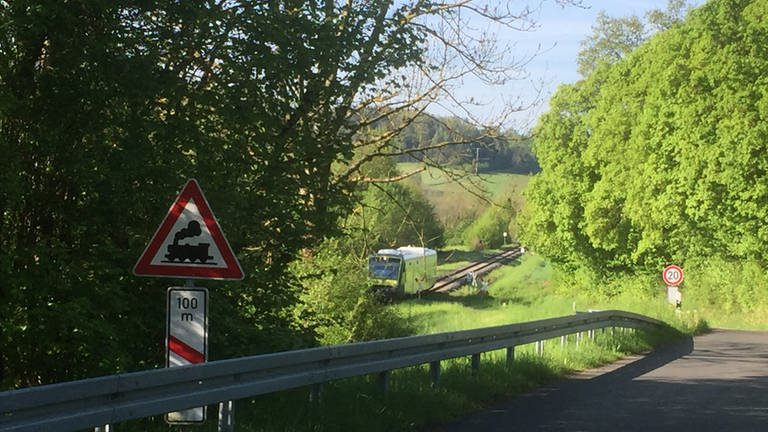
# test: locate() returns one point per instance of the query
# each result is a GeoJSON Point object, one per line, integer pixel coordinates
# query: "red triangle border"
{"type": "Point", "coordinates": [144, 266]}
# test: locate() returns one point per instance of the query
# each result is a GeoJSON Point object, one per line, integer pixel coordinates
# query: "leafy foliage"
{"type": "Point", "coordinates": [488, 230]}
{"type": "Point", "coordinates": [391, 214]}
{"type": "Point", "coordinates": [730, 286]}
{"type": "Point", "coordinates": [657, 157]}
{"type": "Point", "coordinates": [612, 39]}
{"type": "Point", "coordinates": [107, 107]}
{"type": "Point", "coordinates": [336, 303]}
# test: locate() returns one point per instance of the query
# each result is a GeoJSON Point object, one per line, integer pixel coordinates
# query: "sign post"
{"type": "Point", "coordinates": [673, 276]}
{"type": "Point", "coordinates": [189, 244]}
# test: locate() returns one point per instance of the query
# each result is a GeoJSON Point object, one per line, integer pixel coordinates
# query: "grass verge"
{"type": "Point", "coordinates": [412, 402]}
{"type": "Point", "coordinates": [519, 293]}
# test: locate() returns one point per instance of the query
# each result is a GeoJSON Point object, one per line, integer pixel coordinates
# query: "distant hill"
{"type": "Point", "coordinates": [454, 142]}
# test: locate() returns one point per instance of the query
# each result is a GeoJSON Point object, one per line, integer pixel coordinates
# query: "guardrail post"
{"type": "Point", "coordinates": [510, 355]}
{"type": "Point", "coordinates": [540, 347]}
{"type": "Point", "coordinates": [475, 363]}
{"type": "Point", "coordinates": [434, 372]}
{"type": "Point", "coordinates": [563, 340]}
{"type": "Point", "coordinates": [383, 381]}
{"type": "Point", "coordinates": [315, 393]}
{"type": "Point", "coordinates": [227, 416]}
{"type": "Point", "coordinates": [105, 428]}
{"type": "Point", "coordinates": [579, 335]}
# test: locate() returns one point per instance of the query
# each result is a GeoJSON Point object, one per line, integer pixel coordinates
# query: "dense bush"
{"type": "Point", "coordinates": [336, 303]}
{"type": "Point", "coordinates": [488, 230]}
{"type": "Point", "coordinates": [391, 213]}
{"type": "Point", "coordinates": [732, 286]}
{"type": "Point", "coordinates": [659, 158]}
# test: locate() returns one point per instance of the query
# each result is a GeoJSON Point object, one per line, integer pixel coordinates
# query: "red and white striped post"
{"type": "Point", "coordinates": [186, 339]}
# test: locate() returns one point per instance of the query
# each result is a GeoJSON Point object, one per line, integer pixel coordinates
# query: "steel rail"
{"type": "Point", "coordinates": [455, 279]}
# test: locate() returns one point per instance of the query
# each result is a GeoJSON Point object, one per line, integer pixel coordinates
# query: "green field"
{"type": "Point", "coordinates": [466, 196]}
{"type": "Point", "coordinates": [524, 291]}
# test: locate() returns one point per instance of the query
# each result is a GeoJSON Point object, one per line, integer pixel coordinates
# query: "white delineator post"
{"type": "Point", "coordinates": [187, 339]}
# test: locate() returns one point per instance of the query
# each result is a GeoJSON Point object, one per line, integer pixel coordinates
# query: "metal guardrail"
{"type": "Point", "coordinates": [111, 399]}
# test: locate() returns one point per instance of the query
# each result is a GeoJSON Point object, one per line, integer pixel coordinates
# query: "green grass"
{"type": "Point", "coordinates": [496, 184]}
{"type": "Point", "coordinates": [518, 293]}
{"type": "Point", "coordinates": [469, 197]}
{"type": "Point", "coordinates": [412, 401]}
{"type": "Point", "coordinates": [525, 291]}
{"type": "Point", "coordinates": [756, 320]}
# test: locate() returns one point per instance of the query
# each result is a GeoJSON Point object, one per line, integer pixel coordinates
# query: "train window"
{"type": "Point", "coordinates": [384, 267]}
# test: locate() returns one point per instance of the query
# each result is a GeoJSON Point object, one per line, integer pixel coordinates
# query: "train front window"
{"type": "Point", "coordinates": [384, 267]}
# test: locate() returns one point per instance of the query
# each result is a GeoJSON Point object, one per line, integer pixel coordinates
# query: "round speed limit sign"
{"type": "Point", "coordinates": [672, 275]}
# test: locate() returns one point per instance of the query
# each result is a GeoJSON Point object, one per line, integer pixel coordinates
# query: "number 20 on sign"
{"type": "Point", "coordinates": [672, 275]}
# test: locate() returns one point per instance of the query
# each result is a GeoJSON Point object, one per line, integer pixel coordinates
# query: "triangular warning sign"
{"type": "Point", "coordinates": [189, 243]}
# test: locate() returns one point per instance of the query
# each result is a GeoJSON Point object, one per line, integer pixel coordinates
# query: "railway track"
{"type": "Point", "coordinates": [457, 278]}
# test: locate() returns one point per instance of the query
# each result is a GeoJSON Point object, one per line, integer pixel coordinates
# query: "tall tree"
{"type": "Point", "coordinates": [613, 38]}
{"type": "Point", "coordinates": [390, 213]}
{"type": "Point", "coordinates": [107, 107]}
{"type": "Point", "coordinates": [655, 158]}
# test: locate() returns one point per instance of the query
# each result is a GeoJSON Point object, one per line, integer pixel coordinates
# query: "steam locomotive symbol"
{"type": "Point", "coordinates": [180, 253]}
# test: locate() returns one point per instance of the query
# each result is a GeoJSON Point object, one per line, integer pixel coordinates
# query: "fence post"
{"type": "Point", "coordinates": [434, 372]}
{"type": "Point", "coordinates": [227, 416]}
{"type": "Point", "coordinates": [475, 363]}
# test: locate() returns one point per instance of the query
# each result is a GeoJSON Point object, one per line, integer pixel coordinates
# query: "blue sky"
{"type": "Point", "coordinates": [559, 33]}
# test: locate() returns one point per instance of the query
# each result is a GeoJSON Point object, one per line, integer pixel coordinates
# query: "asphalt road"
{"type": "Point", "coordinates": [716, 382]}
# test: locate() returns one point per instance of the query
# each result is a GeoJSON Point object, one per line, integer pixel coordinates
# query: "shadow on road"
{"type": "Point", "coordinates": [654, 360]}
{"type": "Point", "coordinates": [720, 384]}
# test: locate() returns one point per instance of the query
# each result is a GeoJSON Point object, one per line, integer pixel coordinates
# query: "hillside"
{"type": "Point", "coordinates": [458, 203]}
